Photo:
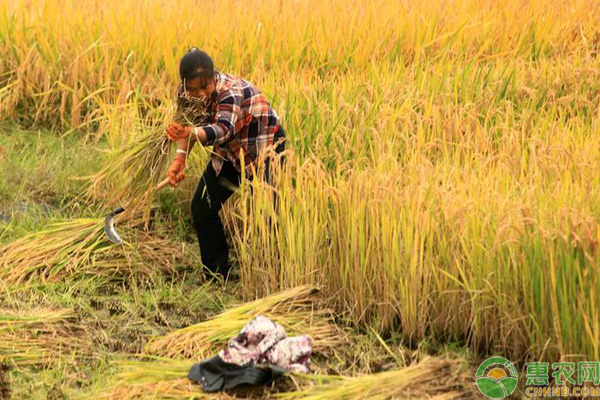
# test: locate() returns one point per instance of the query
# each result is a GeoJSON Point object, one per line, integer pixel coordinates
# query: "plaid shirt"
{"type": "Point", "coordinates": [243, 123]}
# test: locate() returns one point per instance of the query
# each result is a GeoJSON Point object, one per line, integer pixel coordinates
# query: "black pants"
{"type": "Point", "coordinates": [206, 204]}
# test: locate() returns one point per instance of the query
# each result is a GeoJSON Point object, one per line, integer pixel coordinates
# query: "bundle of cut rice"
{"type": "Point", "coordinates": [37, 336]}
{"type": "Point", "coordinates": [295, 309]}
{"type": "Point", "coordinates": [80, 247]}
{"type": "Point", "coordinates": [165, 379]}
{"type": "Point", "coordinates": [132, 171]}
{"type": "Point", "coordinates": [432, 378]}
{"type": "Point", "coordinates": [140, 161]}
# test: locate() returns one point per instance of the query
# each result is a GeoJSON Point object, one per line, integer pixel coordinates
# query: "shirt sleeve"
{"type": "Point", "coordinates": [226, 115]}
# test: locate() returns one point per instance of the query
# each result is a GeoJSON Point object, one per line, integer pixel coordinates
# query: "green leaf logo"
{"type": "Point", "coordinates": [497, 377]}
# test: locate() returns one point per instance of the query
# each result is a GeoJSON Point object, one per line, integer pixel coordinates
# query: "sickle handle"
{"type": "Point", "coordinates": [162, 184]}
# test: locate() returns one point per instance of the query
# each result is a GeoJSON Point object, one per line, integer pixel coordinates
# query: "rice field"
{"type": "Point", "coordinates": [441, 185]}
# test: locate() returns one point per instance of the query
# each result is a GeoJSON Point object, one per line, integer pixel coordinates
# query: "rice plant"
{"type": "Point", "coordinates": [131, 173]}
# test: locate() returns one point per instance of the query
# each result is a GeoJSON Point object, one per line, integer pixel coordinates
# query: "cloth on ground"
{"type": "Point", "coordinates": [260, 353]}
{"type": "Point", "coordinates": [264, 341]}
{"type": "Point", "coordinates": [215, 374]}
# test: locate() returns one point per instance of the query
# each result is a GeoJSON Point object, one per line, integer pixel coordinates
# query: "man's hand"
{"type": "Point", "coordinates": [175, 172]}
{"type": "Point", "coordinates": [177, 132]}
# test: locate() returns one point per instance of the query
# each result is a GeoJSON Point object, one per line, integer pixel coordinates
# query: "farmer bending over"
{"type": "Point", "coordinates": [235, 118]}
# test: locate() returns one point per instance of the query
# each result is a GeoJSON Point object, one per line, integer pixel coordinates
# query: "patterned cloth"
{"type": "Point", "coordinates": [291, 353]}
{"type": "Point", "coordinates": [263, 341]}
{"type": "Point", "coordinates": [243, 122]}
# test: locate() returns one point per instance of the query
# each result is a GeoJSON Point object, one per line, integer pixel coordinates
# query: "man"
{"type": "Point", "coordinates": [240, 125]}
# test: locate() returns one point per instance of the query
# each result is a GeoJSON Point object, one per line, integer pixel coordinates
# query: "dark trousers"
{"type": "Point", "coordinates": [206, 204]}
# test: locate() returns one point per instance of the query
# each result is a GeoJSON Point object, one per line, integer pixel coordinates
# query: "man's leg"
{"type": "Point", "coordinates": [206, 204]}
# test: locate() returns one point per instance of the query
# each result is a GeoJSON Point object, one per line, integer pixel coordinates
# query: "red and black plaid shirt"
{"type": "Point", "coordinates": [243, 123]}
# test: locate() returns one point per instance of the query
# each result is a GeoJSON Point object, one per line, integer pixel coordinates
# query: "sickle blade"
{"type": "Point", "coordinates": [109, 226]}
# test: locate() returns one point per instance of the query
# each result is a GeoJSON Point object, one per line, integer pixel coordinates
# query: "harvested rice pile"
{"type": "Point", "coordinates": [295, 309]}
{"type": "Point", "coordinates": [432, 378]}
{"type": "Point", "coordinates": [38, 336]}
{"type": "Point", "coordinates": [163, 379]}
{"type": "Point", "coordinates": [80, 247]}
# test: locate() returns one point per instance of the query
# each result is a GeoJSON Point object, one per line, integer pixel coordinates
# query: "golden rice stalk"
{"type": "Point", "coordinates": [10, 320]}
{"type": "Point", "coordinates": [432, 378]}
{"type": "Point", "coordinates": [192, 111]}
{"type": "Point", "coordinates": [37, 336]}
{"type": "Point", "coordinates": [80, 247]}
{"type": "Point", "coordinates": [294, 309]}
{"type": "Point", "coordinates": [140, 379]}
{"type": "Point", "coordinates": [131, 173]}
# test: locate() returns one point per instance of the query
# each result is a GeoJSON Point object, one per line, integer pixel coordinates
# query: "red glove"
{"type": "Point", "coordinates": [176, 132]}
{"type": "Point", "coordinates": [175, 172]}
